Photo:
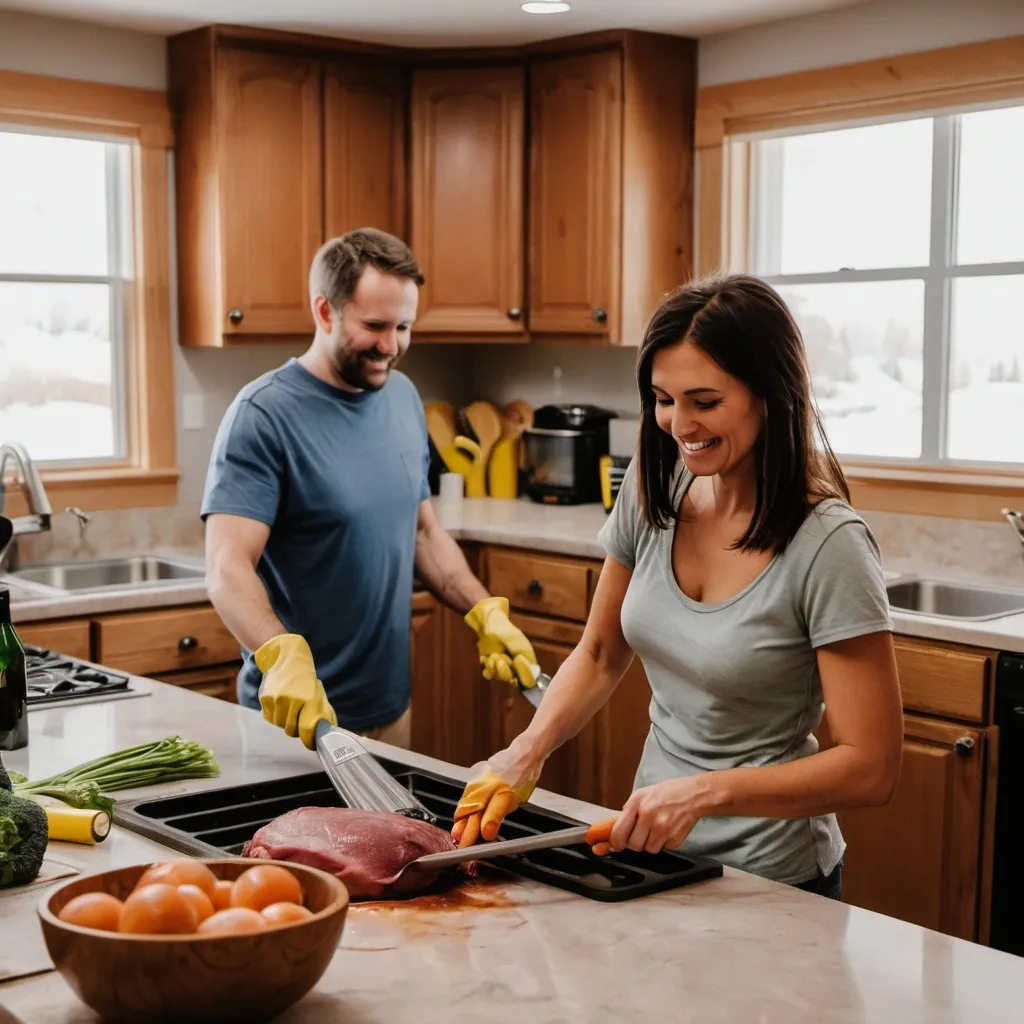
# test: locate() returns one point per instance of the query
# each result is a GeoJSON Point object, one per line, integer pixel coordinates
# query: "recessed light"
{"type": "Point", "coordinates": [545, 7]}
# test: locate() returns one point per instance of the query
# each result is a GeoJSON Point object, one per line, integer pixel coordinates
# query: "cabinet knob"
{"type": "Point", "coordinates": [535, 587]}
{"type": "Point", "coordinates": [235, 316]}
{"type": "Point", "coordinates": [187, 643]}
{"type": "Point", "coordinates": [600, 316]}
{"type": "Point", "coordinates": [964, 746]}
{"type": "Point", "coordinates": [515, 313]}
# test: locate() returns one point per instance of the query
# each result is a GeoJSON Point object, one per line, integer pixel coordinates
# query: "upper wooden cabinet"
{"type": "Point", "coordinates": [274, 153]}
{"type": "Point", "coordinates": [467, 178]}
{"type": "Point", "coordinates": [364, 148]}
{"type": "Point", "coordinates": [610, 186]}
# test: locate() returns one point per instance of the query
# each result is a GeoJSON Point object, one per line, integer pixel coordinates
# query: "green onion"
{"type": "Point", "coordinates": [167, 760]}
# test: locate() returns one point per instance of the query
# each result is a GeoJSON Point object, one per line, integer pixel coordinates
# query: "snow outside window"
{"type": "Point", "coordinates": [900, 249]}
{"type": "Point", "coordinates": [65, 276]}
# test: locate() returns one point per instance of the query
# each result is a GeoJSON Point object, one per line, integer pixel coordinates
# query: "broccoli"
{"type": "Point", "coordinates": [23, 837]}
{"type": "Point", "coordinates": [5, 779]}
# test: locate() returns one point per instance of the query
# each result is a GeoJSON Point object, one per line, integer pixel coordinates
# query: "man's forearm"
{"type": "Point", "coordinates": [442, 566]}
{"type": "Point", "coordinates": [241, 601]}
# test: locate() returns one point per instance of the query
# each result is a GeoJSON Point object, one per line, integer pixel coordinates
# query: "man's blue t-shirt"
{"type": "Point", "coordinates": [338, 477]}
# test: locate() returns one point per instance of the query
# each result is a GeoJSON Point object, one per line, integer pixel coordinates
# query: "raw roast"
{"type": "Point", "coordinates": [367, 850]}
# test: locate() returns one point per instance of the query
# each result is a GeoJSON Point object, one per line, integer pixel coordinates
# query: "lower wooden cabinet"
{"type": "Point", "coordinates": [72, 637]}
{"type": "Point", "coordinates": [220, 681]}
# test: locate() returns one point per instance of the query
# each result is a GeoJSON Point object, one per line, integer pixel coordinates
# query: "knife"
{"type": "Point", "coordinates": [504, 848]}
{"type": "Point", "coordinates": [535, 694]}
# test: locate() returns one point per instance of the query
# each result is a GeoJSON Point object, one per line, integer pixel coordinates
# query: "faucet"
{"type": "Point", "coordinates": [1016, 520]}
{"type": "Point", "coordinates": [38, 518]}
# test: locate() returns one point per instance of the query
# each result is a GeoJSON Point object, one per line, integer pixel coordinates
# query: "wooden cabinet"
{"type": "Point", "coordinates": [364, 148]}
{"type": "Point", "coordinates": [220, 681]}
{"type": "Point", "coordinates": [918, 858]}
{"type": "Point", "coordinates": [539, 584]}
{"type": "Point", "coordinates": [467, 178]}
{"type": "Point", "coordinates": [69, 636]}
{"type": "Point", "coordinates": [275, 151]}
{"type": "Point", "coordinates": [610, 186]}
{"type": "Point", "coordinates": [575, 193]}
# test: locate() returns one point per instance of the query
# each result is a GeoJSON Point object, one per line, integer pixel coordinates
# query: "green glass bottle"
{"type": "Point", "coordinates": [13, 685]}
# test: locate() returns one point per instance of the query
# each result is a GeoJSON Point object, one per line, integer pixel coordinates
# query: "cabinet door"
{"type": "Point", "coordinates": [271, 152]}
{"type": "Point", "coordinates": [625, 723]}
{"type": "Point", "coordinates": [575, 194]}
{"type": "Point", "coordinates": [364, 149]}
{"type": "Point", "coordinates": [467, 198]}
{"type": "Point", "coordinates": [918, 858]}
{"type": "Point", "coordinates": [220, 682]}
{"type": "Point", "coordinates": [572, 769]}
{"type": "Point", "coordinates": [72, 638]}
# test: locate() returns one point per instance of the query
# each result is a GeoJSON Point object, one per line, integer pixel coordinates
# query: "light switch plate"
{"type": "Point", "coordinates": [192, 417]}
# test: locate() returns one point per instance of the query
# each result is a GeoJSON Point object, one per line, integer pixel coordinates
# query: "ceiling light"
{"type": "Point", "coordinates": [545, 7]}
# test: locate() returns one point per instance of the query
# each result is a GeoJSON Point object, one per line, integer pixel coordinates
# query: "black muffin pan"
{"type": "Point", "coordinates": [216, 822]}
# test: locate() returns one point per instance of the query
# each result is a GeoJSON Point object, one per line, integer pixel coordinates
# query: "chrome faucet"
{"type": "Point", "coordinates": [1016, 520]}
{"type": "Point", "coordinates": [39, 511]}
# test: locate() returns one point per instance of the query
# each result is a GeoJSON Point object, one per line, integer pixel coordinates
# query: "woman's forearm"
{"type": "Point", "coordinates": [837, 779]}
{"type": "Point", "coordinates": [580, 688]}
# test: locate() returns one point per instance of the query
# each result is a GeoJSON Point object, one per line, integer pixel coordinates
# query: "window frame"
{"type": "Point", "coordinates": [148, 474]}
{"type": "Point", "coordinates": [933, 83]}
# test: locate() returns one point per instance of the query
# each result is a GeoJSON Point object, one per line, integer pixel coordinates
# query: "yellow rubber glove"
{"type": "Point", "coordinates": [291, 695]}
{"type": "Point", "coordinates": [505, 653]}
{"type": "Point", "coordinates": [497, 788]}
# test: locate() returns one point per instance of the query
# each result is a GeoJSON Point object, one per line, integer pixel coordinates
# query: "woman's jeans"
{"type": "Point", "coordinates": [830, 886]}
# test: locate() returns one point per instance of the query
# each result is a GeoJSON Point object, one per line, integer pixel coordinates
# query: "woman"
{"type": "Point", "coordinates": [753, 595]}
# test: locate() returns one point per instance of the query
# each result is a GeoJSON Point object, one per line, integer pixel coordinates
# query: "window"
{"type": "Point", "coordinates": [900, 249]}
{"type": "Point", "coordinates": [65, 273]}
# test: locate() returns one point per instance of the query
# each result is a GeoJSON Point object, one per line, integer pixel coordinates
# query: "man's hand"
{"type": "Point", "coordinates": [291, 695]}
{"type": "Point", "coordinates": [496, 788]}
{"type": "Point", "coordinates": [505, 653]}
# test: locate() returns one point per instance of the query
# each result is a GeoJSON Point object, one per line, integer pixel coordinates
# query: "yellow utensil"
{"type": "Point", "coordinates": [503, 469]}
{"type": "Point", "coordinates": [484, 419]}
{"type": "Point", "coordinates": [440, 417]}
{"type": "Point", "coordinates": [464, 456]}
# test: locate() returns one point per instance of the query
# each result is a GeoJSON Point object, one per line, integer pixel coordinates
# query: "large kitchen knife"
{"type": "Point", "coordinates": [504, 848]}
{"type": "Point", "coordinates": [360, 779]}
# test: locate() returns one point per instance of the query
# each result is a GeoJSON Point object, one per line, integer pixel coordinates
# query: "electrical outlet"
{"type": "Point", "coordinates": [192, 412]}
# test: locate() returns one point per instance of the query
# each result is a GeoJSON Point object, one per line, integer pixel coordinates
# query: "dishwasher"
{"type": "Point", "coordinates": [1007, 931]}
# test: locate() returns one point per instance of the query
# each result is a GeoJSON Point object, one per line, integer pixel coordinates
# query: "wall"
{"type": "Point", "coordinates": [862, 32]}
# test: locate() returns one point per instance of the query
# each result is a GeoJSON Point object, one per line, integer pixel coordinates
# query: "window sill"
{"type": "Point", "coordinates": [952, 493]}
{"type": "Point", "coordinates": [100, 489]}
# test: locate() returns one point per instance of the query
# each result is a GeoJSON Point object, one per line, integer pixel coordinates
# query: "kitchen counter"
{"type": "Point", "coordinates": [563, 530]}
{"type": "Point", "coordinates": [738, 948]}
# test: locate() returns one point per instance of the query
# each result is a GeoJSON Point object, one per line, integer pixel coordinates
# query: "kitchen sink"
{"type": "Point", "coordinates": [954, 600]}
{"type": "Point", "coordinates": [80, 575]}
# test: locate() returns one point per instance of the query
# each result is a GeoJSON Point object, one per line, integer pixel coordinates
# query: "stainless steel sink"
{"type": "Point", "coordinates": [954, 600]}
{"type": "Point", "coordinates": [80, 575]}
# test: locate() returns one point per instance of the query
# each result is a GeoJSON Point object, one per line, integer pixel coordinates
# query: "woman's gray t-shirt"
{"type": "Point", "coordinates": [736, 684]}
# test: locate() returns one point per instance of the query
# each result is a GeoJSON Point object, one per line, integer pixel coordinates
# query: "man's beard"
{"type": "Point", "coordinates": [351, 367]}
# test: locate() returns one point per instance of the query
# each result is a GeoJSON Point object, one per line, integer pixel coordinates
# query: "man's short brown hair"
{"type": "Point", "coordinates": [340, 263]}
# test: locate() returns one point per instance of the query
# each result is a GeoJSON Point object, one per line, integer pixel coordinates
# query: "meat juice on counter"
{"type": "Point", "coordinates": [13, 684]}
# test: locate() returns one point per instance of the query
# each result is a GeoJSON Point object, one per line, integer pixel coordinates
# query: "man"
{"type": "Point", "coordinates": [317, 512]}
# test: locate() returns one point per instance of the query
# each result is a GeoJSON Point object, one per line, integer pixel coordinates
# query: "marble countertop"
{"type": "Point", "coordinates": [565, 530]}
{"type": "Point", "coordinates": [738, 948]}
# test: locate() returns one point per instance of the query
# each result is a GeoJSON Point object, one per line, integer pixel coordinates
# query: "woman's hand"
{"type": "Point", "coordinates": [660, 816]}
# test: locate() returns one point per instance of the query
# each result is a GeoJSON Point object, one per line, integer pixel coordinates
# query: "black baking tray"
{"type": "Point", "coordinates": [216, 822]}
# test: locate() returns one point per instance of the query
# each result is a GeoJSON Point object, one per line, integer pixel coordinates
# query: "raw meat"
{"type": "Point", "coordinates": [367, 850]}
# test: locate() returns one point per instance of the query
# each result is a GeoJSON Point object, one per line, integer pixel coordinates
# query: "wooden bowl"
{"type": "Point", "coordinates": [195, 977]}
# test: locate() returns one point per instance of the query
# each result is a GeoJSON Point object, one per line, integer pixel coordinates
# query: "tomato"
{"type": "Point", "coordinates": [93, 910]}
{"type": "Point", "coordinates": [199, 900]}
{"type": "Point", "coordinates": [285, 913]}
{"type": "Point", "coordinates": [221, 895]}
{"type": "Point", "coordinates": [158, 909]}
{"type": "Point", "coordinates": [233, 921]}
{"type": "Point", "coordinates": [260, 886]}
{"type": "Point", "coordinates": [182, 871]}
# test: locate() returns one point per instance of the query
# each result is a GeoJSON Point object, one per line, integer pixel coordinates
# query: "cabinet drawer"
{"type": "Point", "coordinates": [532, 583]}
{"type": "Point", "coordinates": [70, 638]}
{"type": "Point", "coordinates": [943, 680]}
{"type": "Point", "coordinates": [220, 682]}
{"type": "Point", "coordinates": [164, 641]}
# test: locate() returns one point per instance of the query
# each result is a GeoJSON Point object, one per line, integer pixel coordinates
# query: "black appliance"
{"type": "Point", "coordinates": [57, 679]}
{"type": "Point", "coordinates": [1007, 932]}
{"type": "Point", "coordinates": [562, 453]}
{"type": "Point", "coordinates": [219, 821]}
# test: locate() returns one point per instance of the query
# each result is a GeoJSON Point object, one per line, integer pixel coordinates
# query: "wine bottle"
{"type": "Point", "coordinates": [13, 684]}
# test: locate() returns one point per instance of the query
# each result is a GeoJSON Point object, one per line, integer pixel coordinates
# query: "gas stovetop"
{"type": "Point", "coordinates": [216, 822]}
{"type": "Point", "coordinates": [58, 679]}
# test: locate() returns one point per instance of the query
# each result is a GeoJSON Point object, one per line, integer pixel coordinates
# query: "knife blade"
{"type": "Point", "coordinates": [504, 848]}
{"type": "Point", "coordinates": [535, 694]}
